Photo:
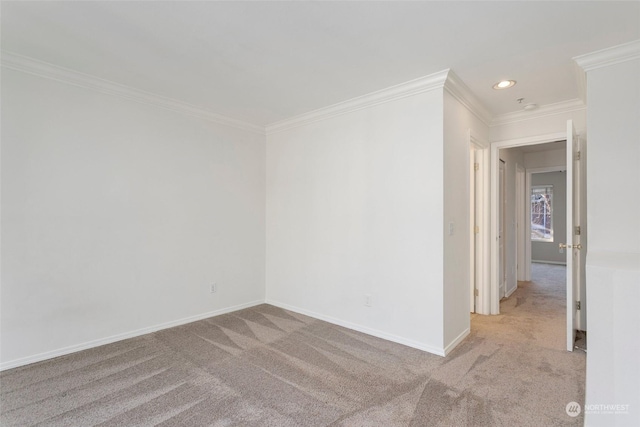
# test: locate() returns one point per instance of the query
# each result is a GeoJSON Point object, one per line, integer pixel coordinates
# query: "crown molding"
{"type": "Point", "coordinates": [410, 88]}
{"type": "Point", "coordinates": [610, 56]}
{"type": "Point", "coordinates": [581, 82]}
{"type": "Point", "coordinates": [460, 91]}
{"type": "Point", "coordinates": [543, 111]}
{"type": "Point", "coordinates": [53, 72]}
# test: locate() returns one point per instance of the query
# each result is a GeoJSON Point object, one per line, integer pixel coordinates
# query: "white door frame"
{"type": "Point", "coordinates": [502, 229]}
{"type": "Point", "coordinates": [521, 224]}
{"type": "Point", "coordinates": [491, 288]}
{"type": "Point", "coordinates": [481, 262]}
{"type": "Point", "coordinates": [472, 227]}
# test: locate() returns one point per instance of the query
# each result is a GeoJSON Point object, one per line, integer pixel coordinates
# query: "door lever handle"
{"type": "Point", "coordinates": [565, 246]}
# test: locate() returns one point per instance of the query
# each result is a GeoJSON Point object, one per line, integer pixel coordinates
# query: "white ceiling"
{"type": "Point", "coordinates": [262, 62]}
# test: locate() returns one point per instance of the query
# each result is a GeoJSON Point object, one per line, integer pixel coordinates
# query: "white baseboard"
{"type": "Point", "coordinates": [360, 328]}
{"type": "Point", "coordinates": [119, 337]}
{"type": "Point", "coordinates": [537, 261]}
{"type": "Point", "coordinates": [453, 344]}
{"type": "Point", "coordinates": [510, 291]}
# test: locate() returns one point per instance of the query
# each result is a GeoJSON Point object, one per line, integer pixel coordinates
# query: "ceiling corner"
{"type": "Point", "coordinates": [459, 90]}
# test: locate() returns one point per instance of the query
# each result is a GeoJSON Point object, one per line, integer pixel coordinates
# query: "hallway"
{"type": "Point", "coordinates": [536, 310]}
{"type": "Point", "coordinates": [525, 363]}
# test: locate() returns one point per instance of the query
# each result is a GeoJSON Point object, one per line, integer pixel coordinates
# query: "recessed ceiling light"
{"type": "Point", "coordinates": [504, 84]}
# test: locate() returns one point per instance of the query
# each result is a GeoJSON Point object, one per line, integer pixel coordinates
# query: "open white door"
{"type": "Point", "coordinates": [573, 240]}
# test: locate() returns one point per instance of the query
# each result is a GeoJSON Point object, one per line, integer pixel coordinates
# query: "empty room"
{"type": "Point", "coordinates": [374, 213]}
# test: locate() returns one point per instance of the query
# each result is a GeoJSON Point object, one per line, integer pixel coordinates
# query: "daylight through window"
{"type": "Point", "coordinates": [541, 208]}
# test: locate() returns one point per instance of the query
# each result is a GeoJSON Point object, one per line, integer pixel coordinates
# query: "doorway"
{"type": "Point", "coordinates": [500, 209]}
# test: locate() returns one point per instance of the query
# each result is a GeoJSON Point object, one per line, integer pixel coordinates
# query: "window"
{"type": "Point", "coordinates": [541, 208]}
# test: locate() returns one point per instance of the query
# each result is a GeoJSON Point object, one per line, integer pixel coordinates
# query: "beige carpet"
{"type": "Point", "coordinates": [265, 366]}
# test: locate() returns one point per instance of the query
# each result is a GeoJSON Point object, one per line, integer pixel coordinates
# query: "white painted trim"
{"type": "Point", "coordinates": [571, 146]}
{"type": "Point", "coordinates": [581, 82]}
{"type": "Point", "coordinates": [481, 143]}
{"type": "Point", "coordinates": [536, 261]}
{"type": "Point", "coordinates": [530, 140]}
{"type": "Point", "coordinates": [527, 234]}
{"type": "Point", "coordinates": [610, 56]}
{"type": "Point", "coordinates": [494, 298]}
{"type": "Point", "coordinates": [522, 225]}
{"type": "Point", "coordinates": [410, 88]}
{"type": "Point", "coordinates": [544, 111]}
{"type": "Point", "coordinates": [482, 217]}
{"type": "Point", "coordinates": [510, 292]}
{"type": "Point", "coordinates": [461, 92]}
{"type": "Point", "coordinates": [356, 327]}
{"type": "Point", "coordinates": [484, 295]}
{"type": "Point", "coordinates": [46, 70]}
{"type": "Point", "coordinates": [546, 169]}
{"type": "Point", "coordinates": [473, 250]}
{"type": "Point", "coordinates": [453, 344]}
{"type": "Point", "coordinates": [119, 337]}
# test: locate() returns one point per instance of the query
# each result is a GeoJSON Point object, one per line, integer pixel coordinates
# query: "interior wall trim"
{"type": "Point", "coordinates": [46, 70]}
{"type": "Point", "coordinates": [610, 56]}
{"type": "Point", "coordinates": [460, 91]}
{"type": "Point", "coordinates": [457, 340]}
{"type": "Point", "coordinates": [403, 90]}
{"type": "Point", "coordinates": [369, 331]}
{"type": "Point", "coordinates": [119, 337]}
{"type": "Point", "coordinates": [544, 111]}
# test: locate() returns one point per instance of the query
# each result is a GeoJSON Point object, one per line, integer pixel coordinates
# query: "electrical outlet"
{"type": "Point", "coordinates": [213, 288]}
{"type": "Point", "coordinates": [367, 300]}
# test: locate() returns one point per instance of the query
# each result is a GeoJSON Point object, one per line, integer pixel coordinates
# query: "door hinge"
{"type": "Point", "coordinates": [577, 157]}
{"type": "Point", "coordinates": [577, 305]}
{"type": "Point", "coordinates": [475, 292]}
{"type": "Point", "coordinates": [577, 232]}
{"type": "Point", "coordinates": [476, 166]}
{"type": "Point", "coordinates": [476, 229]}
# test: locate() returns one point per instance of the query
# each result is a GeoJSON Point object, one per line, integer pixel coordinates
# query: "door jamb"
{"type": "Point", "coordinates": [521, 228]}
{"type": "Point", "coordinates": [482, 264]}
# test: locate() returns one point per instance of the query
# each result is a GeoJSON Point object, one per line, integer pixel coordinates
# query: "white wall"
{"type": "Point", "coordinates": [458, 121]}
{"type": "Point", "coordinates": [116, 217]}
{"type": "Point", "coordinates": [538, 123]}
{"type": "Point", "coordinates": [613, 260]}
{"type": "Point", "coordinates": [355, 208]}
{"type": "Point", "coordinates": [547, 158]}
{"type": "Point", "coordinates": [549, 251]}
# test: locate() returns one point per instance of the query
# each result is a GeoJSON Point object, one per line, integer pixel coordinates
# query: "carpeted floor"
{"type": "Point", "coordinates": [265, 366]}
